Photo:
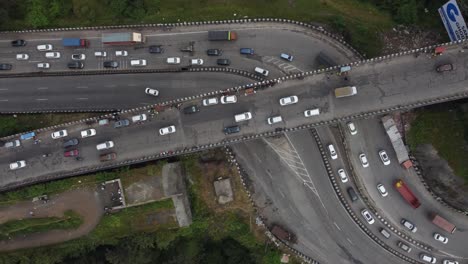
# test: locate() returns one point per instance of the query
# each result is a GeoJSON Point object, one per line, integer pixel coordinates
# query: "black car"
{"type": "Point", "coordinates": [70, 142]}
{"type": "Point", "coordinates": [191, 109]}
{"type": "Point", "coordinates": [231, 130]}
{"type": "Point", "coordinates": [111, 64]}
{"type": "Point", "coordinates": [18, 43]}
{"type": "Point", "coordinates": [75, 65]}
{"type": "Point", "coordinates": [156, 49]}
{"type": "Point", "coordinates": [121, 123]}
{"type": "Point", "coordinates": [5, 66]}
{"type": "Point", "coordinates": [223, 62]}
{"type": "Point", "coordinates": [214, 52]}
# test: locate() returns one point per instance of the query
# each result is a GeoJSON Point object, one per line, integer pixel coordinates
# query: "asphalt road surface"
{"type": "Point", "coordinates": [379, 86]}
{"type": "Point", "coordinates": [370, 139]}
{"type": "Point", "coordinates": [77, 92]}
{"type": "Point", "coordinates": [268, 40]}
{"type": "Point", "coordinates": [107, 92]}
{"type": "Point", "coordinates": [324, 230]}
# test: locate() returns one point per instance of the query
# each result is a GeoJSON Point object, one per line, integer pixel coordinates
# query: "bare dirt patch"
{"type": "Point", "coordinates": [402, 38]}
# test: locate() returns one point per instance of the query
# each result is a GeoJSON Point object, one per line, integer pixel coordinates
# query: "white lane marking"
{"type": "Point", "coordinates": [311, 185]}
{"type": "Point", "coordinates": [43, 88]}
{"type": "Point", "coordinates": [3, 89]}
{"type": "Point", "coordinates": [282, 194]}
{"type": "Point", "coordinates": [82, 98]}
{"type": "Point", "coordinates": [349, 241]}
{"type": "Point", "coordinates": [337, 226]}
{"type": "Point", "coordinates": [451, 255]}
{"type": "Point", "coordinates": [42, 99]}
{"type": "Point", "coordinates": [110, 85]}
{"type": "Point", "coordinates": [82, 87]}
{"type": "Point", "coordinates": [4, 100]}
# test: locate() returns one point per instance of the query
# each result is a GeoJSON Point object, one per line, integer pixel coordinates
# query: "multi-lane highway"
{"type": "Point", "coordinates": [107, 92]}
{"type": "Point", "coordinates": [277, 169]}
{"type": "Point", "coordinates": [400, 81]}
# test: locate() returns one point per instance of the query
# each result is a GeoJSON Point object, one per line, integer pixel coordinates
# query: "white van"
{"type": "Point", "coordinates": [139, 63]}
{"type": "Point", "coordinates": [312, 112]}
{"type": "Point", "coordinates": [243, 117]}
{"type": "Point", "coordinates": [261, 71]}
{"type": "Point", "coordinates": [274, 119]}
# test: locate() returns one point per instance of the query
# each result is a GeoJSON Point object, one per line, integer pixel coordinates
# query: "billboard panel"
{"type": "Point", "coordinates": [453, 21]}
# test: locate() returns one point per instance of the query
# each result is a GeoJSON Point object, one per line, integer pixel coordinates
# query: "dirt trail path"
{"type": "Point", "coordinates": [85, 202]}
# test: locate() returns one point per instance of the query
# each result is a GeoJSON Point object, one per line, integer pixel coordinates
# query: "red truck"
{"type": "Point", "coordinates": [407, 194]}
{"type": "Point", "coordinates": [444, 224]}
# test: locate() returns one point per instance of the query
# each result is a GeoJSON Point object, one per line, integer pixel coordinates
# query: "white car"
{"type": "Point", "coordinates": [196, 61]}
{"type": "Point", "coordinates": [210, 101]}
{"type": "Point", "coordinates": [59, 134]}
{"type": "Point", "coordinates": [88, 133]}
{"type": "Point", "coordinates": [17, 165]}
{"type": "Point", "coordinates": [312, 112]}
{"type": "Point", "coordinates": [447, 261]}
{"type": "Point", "coordinates": [167, 130]}
{"type": "Point", "coordinates": [289, 100]}
{"type": "Point", "coordinates": [22, 56]}
{"type": "Point", "coordinates": [138, 63]}
{"type": "Point", "coordinates": [52, 55]}
{"type": "Point", "coordinates": [152, 92]}
{"type": "Point", "coordinates": [409, 225]}
{"type": "Point", "coordinates": [173, 60]}
{"type": "Point", "coordinates": [105, 145]}
{"type": "Point", "coordinates": [100, 54]}
{"type": "Point", "coordinates": [427, 258]}
{"type": "Point", "coordinates": [12, 144]}
{"type": "Point", "coordinates": [440, 238]}
{"type": "Point", "coordinates": [363, 159]}
{"type": "Point", "coordinates": [43, 65]}
{"type": "Point", "coordinates": [121, 53]}
{"type": "Point", "coordinates": [228, 99]}
{"type": "Point", "coordinates": [352, 128]}
{"type": "Point", "coordinates": [139, 118]}
{"type": "Point", "coordinates": [342, 175]}
{"type": "Point", "coordinates": [261, 71]}
{"type": "Point", "coordinates": [80, 56]}
{"type": "Point", "coordinates": [366, 214]}
{"type": "Point", "coordinates": [382, 190]}
{"type": "Point", "coordinates": [333, 154]}
{"type": "Point", "coordinates": [384, 157]}
{"type": "Point", "coordinates": [274, 119]}
{"type": "Point", "coordinates": [44, 47]}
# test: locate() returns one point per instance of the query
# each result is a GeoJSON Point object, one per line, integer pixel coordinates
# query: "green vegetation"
{"type": "Point", "coordinates": [70, 220]}
{"type": "Point", "coordinates": [54, 187]}
{"type": "Point", "coordinates": [447, 130]}
{"type": "Point", "coordinates": [134, 235]}
{"type": "Point", "coordinates": [9, 124]}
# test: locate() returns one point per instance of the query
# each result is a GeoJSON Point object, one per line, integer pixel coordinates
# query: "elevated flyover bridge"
{"type": "Point", "coordinates": [400, 82]}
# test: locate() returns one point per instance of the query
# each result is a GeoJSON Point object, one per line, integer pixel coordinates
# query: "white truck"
{"type": "Point", "coordinates": [345, 91]}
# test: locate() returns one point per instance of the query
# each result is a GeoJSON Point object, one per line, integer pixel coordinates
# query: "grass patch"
{"type": "Point", "coordinates": [70, 220]}
{"type": "Point", "coordinates": [9, 124]}
{"type": "Point", "coordinates": [447, 131]}
{"type": "Point", "coordinates": [131, 220]}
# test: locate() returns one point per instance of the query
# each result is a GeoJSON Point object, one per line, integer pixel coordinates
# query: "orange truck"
{"type": "Point", "coordinates": [407, 194]}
